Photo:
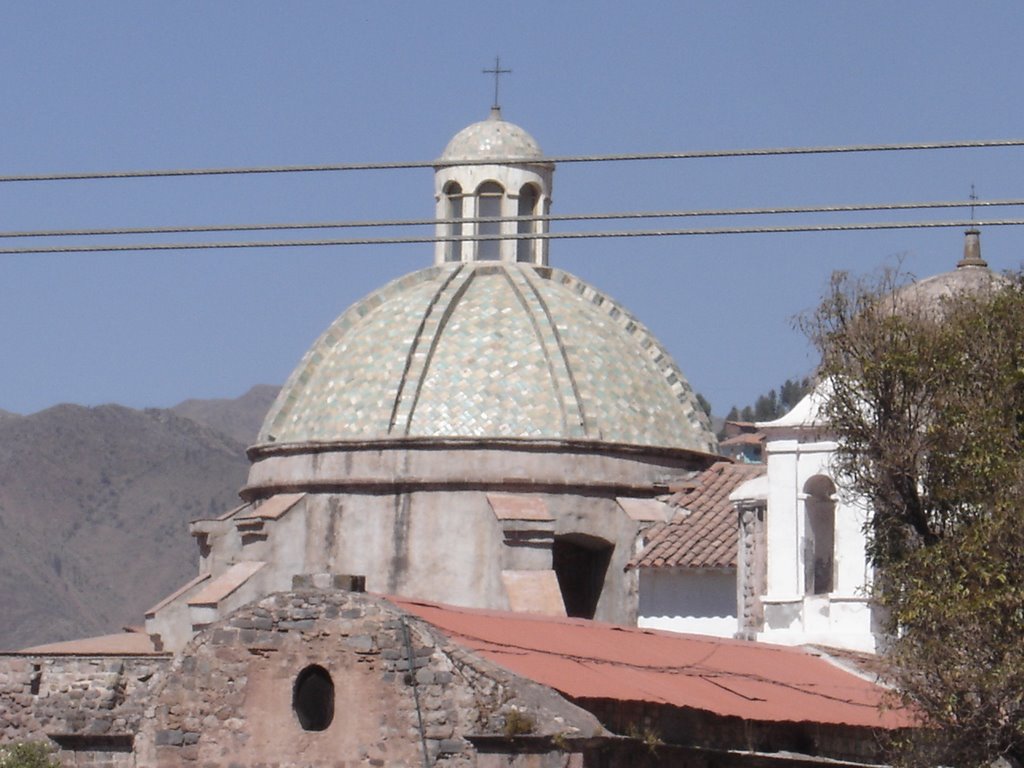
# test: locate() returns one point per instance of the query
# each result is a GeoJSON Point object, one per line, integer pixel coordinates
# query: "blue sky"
{"type": "Point", "coordinates": [140, 85]}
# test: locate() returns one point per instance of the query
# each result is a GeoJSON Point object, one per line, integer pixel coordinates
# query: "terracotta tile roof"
{"type": "Point", "coordinates": [747, 438]}
{"type": "Point", "coordinates": [731, 678]}
{"type": "Point", "coordinates": [742, 424]}
{"type": "Point", "coordinates": [703, 533]}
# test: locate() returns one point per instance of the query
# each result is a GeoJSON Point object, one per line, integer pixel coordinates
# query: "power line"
{"type": "Point", "coordinates": [763, 152]}
{"type": "Point", "coordinates": [523, 236]}
{"type": "Point", "coordinates": [779, 210]}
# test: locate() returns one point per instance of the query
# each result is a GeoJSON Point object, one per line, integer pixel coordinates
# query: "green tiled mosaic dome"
{"type": "Point", "coordinates": [483, 350]}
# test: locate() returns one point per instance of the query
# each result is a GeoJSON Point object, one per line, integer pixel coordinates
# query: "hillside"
{"type": "Point", "coordinates": [94, 506]}
{"type": "Point", "coordinates": [239, 419]}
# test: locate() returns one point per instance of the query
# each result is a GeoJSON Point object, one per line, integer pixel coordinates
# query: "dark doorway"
{"type": "Point", "coordinates": [313, 698]}
{"type": "Point", "coordinates": [580, 562]}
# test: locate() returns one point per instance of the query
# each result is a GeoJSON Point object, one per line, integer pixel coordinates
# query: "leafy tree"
{"type": "Point", "coordinates": [792, 392]}
{"type": "Point", "coordinates": [926, 401]}
{"type": "Point", "coordinates": [766, 406]}
{"type": "Point", "coordinates": [29, 754]}
{"type": "Point", "coordinates": [773, 404]}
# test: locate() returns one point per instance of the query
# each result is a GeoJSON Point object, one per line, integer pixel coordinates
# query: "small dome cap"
{"type": "Point", "coordinates": [492, 139]}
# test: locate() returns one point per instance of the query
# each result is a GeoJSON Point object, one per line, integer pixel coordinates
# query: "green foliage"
{"type": "Point", "coordinates": [926, 400]}
{"type": "Point", "coordinates": [647, 734]}
{"type": "Point", "coordinates": [29, 754]}
{"type": "Point", "coordinates": [518, 722]}
{"type": "Point", "coordinates": [958, 656]}
{"type": "Point", "coordinates": [773, 404]}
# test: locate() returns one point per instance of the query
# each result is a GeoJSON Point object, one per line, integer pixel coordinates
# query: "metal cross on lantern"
{"type": "Point", "coordinates": [497, 72]}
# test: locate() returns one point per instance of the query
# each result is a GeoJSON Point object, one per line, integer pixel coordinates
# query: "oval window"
{"type": "Point", "coordinates": [313, 698]}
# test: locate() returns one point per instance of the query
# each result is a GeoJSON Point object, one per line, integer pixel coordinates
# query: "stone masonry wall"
{"type": "Point", "coordinates": [400, 689]}
{"type": "Point", "coordinates": [751, 574]}
{"type": "Point", "coordinates": [80, 700]}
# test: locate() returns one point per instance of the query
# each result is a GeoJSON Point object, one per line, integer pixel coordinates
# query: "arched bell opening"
{"type": "Point", "coordinates": [489, 196]}
{"type": "Point", "coordinates": [819, 535]}
{"type": "Point", "coordinates": [526, 248]}
{"type": "Point", "coordinates": [453, 210]}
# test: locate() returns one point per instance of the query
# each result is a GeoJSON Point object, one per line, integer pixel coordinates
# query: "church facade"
{"type": "Point", "coordinates": [479, 446]}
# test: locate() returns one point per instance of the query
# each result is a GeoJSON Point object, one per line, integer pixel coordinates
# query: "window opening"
{"type": "Point", "coordinates": [489, 196]}
{"type": "Point", "coordinates": [528, 198]}
{"type": "Point", "coordinates": [453, 210]}
{"type": "Point", "coordinates": [313, 698]}
{"type": "Point", "coordinates": [580, 563]}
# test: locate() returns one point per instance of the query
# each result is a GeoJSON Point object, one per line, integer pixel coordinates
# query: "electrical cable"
{"type": "Point", "coordinates": [115, 231]}
{"type": "Point", "coordinates": [707, 154]}
{"type": "Point", "coordinates": [114, 248]}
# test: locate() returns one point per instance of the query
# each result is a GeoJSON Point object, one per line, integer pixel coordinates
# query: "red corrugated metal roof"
{"type": "Point", "coordinates": [705, 532]}
{"type": "Point", "coordinates": [731, 678]}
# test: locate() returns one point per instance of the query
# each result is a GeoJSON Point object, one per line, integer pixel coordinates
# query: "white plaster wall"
{"type": "Point", "coordinates": [843, 617]}
{"type": "Point", "coordinates": [781, 533]}
{"type": "Point", "coordinates": [688, 600]}
{"type": "Point", "coordinates": [853, 574]}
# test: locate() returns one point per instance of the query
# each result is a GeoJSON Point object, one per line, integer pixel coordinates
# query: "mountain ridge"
{"type": "Point", "coordinates": [95, 504]}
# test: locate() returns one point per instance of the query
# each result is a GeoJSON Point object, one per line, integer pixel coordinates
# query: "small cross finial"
{"type": "Point", "coordinates": [497, 72]}
{"type": "Point", "coordinates": [974, 197]}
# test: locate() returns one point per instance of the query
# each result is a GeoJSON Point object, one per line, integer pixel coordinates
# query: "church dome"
{"type": "Point", "coordinates": [488, 350]}
{"type": "Point", "coordinates": [492, 139]}
{"type": "Point", "coordinates": [971, 276]}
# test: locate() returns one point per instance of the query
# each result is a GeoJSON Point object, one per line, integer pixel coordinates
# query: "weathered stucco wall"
{"type": "Point", "coordinates": [445, 543]}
